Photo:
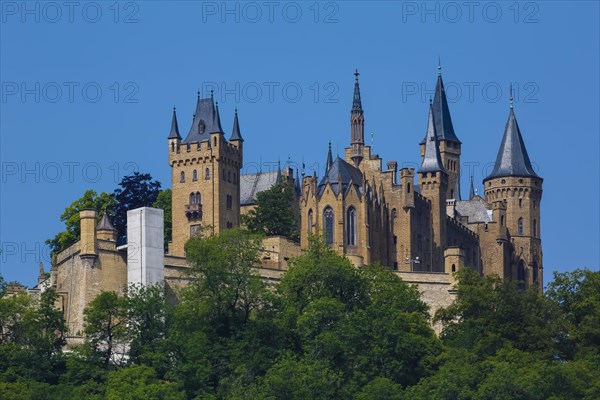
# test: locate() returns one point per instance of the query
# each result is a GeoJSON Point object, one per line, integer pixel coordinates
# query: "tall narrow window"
{"type": "Point", "coordinates": [198, 198]}
{"type": "Point", "coordinates": [328, 218]}
{"type": "Point", "coordinates": [194, 175]}
{"type": "Point", "coordinates": [207, 174]}
{"type": "Point", "coordinates": [182, 177]}
{"type": "Point", "coordinates": [521, 275]}
{"type": "Point", "coordinates": [192, 198]}
{"type": "Point", "coordinates": [351, 226]}
{"type": "Point", "coordinates": [310, 221]}
{"type": "Point", "coordinates": [520, 226]}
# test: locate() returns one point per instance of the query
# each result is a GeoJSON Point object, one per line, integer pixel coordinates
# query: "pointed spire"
{"type": "Point", "coordinates": [439, 66]}
{"type": "Point", "coordinates": [278, 178]}
{"type": "Point", "coordinates": [329, 161]}
{"type": "Point", "coordinates": [511, 96]}
{"type": "Point", "coordinates": [512, 158]}
{"type": "Point", "coordinates": [432, 160]}
{"type": "Point", "coordinates": [217, 120]}
{"type": "Point", "coordinates": [356, 102]}
{"type": "Point", "coordinates": [105, 224]}
{"type": "Point", "coordinates": [441, 112]}
{"type": "Point", "coordinates": [235, 133]}
{"type": "Point", "coordinates": [174, 134]}
{"type": "Point", "coordinates": [472, 189]}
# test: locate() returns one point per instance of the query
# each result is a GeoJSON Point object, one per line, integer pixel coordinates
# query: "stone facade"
{"type": "Point", "coordinates": [414, 222]}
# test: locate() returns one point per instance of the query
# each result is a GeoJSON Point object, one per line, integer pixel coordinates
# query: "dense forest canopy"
{"type": "Point", "coordinates": [326, 331]}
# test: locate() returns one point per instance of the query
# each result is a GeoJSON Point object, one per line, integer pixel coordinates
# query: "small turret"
{"type": "Point", "coordinates": [105, 229]}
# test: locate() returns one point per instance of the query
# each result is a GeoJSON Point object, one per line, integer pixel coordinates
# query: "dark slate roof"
{"type": "Point", "coordinates": [235, 132]}
{"type": "Point", "coordinates": [174, 134]}
{"type": "Point", "coordinates": [356, 102]}
{"type": "Point", "coordinates": [512, 159]}
{"type": "Point", "coordinates": [441, 114]}
{"type": "Point", "coordinates": [432, 160]}
{"type": "Point", "coordinates": [474, 210]}
{"type": "Point", "coordinates": [347, 172]}
{"type": "Point", "coordinates": [105, 223]}
{"type": "Point", "coordinates": [251, 184]}
{"type": "Point", "coordinates": [204, 123]}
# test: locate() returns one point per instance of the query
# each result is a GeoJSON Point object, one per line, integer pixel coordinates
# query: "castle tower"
{"type": "Point", "coordinates": [450, 146]}
{"type": "Point", "coordinates": [433, 181]}
{"type": "Point", "coordinates": [205, 175]}
{"type": "Point", "coordinates": [357, 125]}
{"type": "Point", "coordinates": [514, 182]}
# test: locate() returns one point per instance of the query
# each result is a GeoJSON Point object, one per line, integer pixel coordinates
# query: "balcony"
{"type": "Point", "coordinates": [193, 211]}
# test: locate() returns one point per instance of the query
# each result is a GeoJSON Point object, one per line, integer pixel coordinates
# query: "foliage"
{"type": "Point", "coordinates": [103, 202]}
{"type": "Point", "coordinates": [136, 190]}
{"type": "Point", "coordinates": [274, 214]}
{"type": "Point", "coordinates": [163, 201]}
{"type": "Point", "coordinates": [327, 330]}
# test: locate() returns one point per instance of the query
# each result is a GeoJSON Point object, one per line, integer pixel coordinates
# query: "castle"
{"type": "Point", "coordinates": [421, 229]}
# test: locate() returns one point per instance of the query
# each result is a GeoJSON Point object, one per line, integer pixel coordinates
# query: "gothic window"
{"type": "Point", "coordinates": [521, 275]}
{"type": "Point", "coordinates": [229, 176]}
{"type": "Point", "coordinates": [198, 198]}
{"type": "Point", "coordinates": [182, 177]}
{"type": "Point", "coordinates": [207, 174]}
{"type": "Point", "coordinates": [520, 226]}
{"type": "Point", "coordinates": [351, 226]}
{"type": "Point", "coordinates": [229, 201]}
{"type": "Point", "coordinates": [310, 221]}
{"type": "Point", "coordinates": [192, 198]}
{"type": "Point", "coordinates": [408, 188]}
{"type": "Point", "coordinates": [520, 203]}
{"type": "Point", "coordinates": [535, 272]}
{"type": "Point", "coordinates": [194, 175]}
{"type": "Point", "coordinates": [328, 218]}
{"type": "Point", "coordinates": [215, 140]}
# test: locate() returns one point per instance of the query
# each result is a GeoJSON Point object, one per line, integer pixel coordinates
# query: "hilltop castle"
{"type": "Point", "coordinates": [422, 229]}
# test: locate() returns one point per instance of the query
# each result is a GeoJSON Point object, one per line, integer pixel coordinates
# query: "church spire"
{"type": "Point", "coordinates": [356, 102]}
{"type": "Point", "coordinates": [512, 158]}
{"type": "Point", "coordinates": [432, 161]}
{"type": "Point", "coordinates": [174, 134]}
{"type": "Point", "coordinates": [472, 189]}
{"type": "Point", "coordinates": [235, 133]}
{"type": "Point", "coordinates": [329, 161]}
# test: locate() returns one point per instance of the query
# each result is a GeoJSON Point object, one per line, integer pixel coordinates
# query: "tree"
{"type": "Point", "coordinates": [137, 190]}
{"type": "Point", "coordinates": [139, 382]}
{"type": "Point", "coordinates": [103, 202]}
{"type": "Point", "coordinates": [163, 201]}
{"type": "Point", "coordinates": [105, 327]}
{"type": "Point", "coordinates": [274, 214]}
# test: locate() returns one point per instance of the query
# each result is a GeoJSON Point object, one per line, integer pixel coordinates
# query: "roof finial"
{"type": "Point", "coordinates": [198, 93]}
{"type": "Point", "coordinates": [356, 74]}
{"type": "Point", "coordinates": [511, 96]}
{"type": "Point", "coordinates": [212, 91]}
{"type": "Point", "coordinates": [439, 66]}
{"type": "Point", "coordinates": [430, 100]}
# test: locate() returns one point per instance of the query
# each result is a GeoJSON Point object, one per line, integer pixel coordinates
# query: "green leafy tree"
{"type": "Point", "coordinates": [139, 382]}
{"type": "Point", "coordinates": [136, 190]}
{"type": "Point", "coordinates": [163, 201]}
{"type": "Point", "coordinates": [274, 214]}
{"type": "Point", "coordinates": [72, 233]}
{"type": "Point", "coordinates": [105, 327]}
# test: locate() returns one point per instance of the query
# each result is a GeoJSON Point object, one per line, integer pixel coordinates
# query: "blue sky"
{"type": "Point", "coordinates": [88, 88]}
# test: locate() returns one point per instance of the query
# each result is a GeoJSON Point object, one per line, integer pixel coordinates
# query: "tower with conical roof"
{"type": "Point", "coordinates": [449, 144]}
{"type": "Point", "coordinates": [357, 124]}
{"type": "Point", "coordinates": [205, 175]}
{"type": "Point", "coordinates": [433, 183]}
{"type": "Point", "coordinates": [514, 182]}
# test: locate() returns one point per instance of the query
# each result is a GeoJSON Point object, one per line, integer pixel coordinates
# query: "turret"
{"type": "Point", "coordinates": [514, 182]}
{"type": "Point", "coordinates": [174, 136]}
{"type": "Point", "coordinates": [433, 181]}
{"type": "Point", "coordinates": [357, 125]}
{"type": "Point", "coordinates": [448, 142]}
{"type": "Point", "coordinates": [87, 243]}
{"type": "Point", "coordinates": [105, 229]}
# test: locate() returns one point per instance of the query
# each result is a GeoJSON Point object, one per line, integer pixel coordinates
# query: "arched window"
{"type": "Point", "coordinates": [408, 188]}
{"type": "Point", "coordinates": [215, 140]}
{"type": "Point", "coordinates": [194, 175]}
{"type": "Point", "coordinates": [310, 221]}
{"type": "Point", "coordinates": [207, 174]}
{"type": "Point", "coordinates": [521, 275]}
{"type": "Point", "coordinates": [192, 198]}
{"type": "Point", "coordinates": [182, 177]}
{"type": "Point", "coordinates": [198, 198]}
{"type": "Point", "coordinates": [351, 226]}
{"type": "Point", "coordinates": [520, 226]}
{"type": "Point", "coordinates": [172, 146]}
{"type": "Point", "coordinates": [328, 218]}
{"type": "Point", "coordinates": [229, 201]}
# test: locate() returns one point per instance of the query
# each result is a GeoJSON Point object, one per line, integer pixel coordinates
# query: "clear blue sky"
{"type": "Point", "coordinates": [87, 94]}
